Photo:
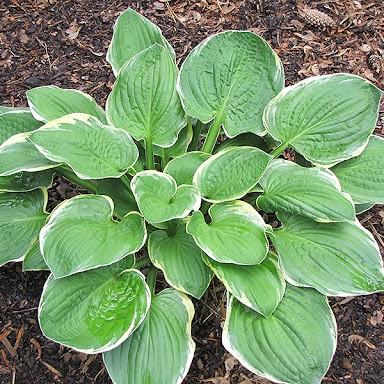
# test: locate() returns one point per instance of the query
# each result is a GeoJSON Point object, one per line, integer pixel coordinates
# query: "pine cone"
{"type": "Point", "coordinates": [315, 17]}
{"type": "Point", "coordinates": [374, 62]}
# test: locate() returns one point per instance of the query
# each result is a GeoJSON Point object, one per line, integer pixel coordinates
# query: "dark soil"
{"type": "Point", "coordinates": [64, 43]}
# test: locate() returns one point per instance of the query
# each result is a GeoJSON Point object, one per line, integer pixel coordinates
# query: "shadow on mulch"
{"type": "Point", "coordinates": [64, 43]}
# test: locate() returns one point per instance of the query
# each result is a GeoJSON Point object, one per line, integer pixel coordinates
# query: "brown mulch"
{"type": "Point", "coordinates": [64, 43]}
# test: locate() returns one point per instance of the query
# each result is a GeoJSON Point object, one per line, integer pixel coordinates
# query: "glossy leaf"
{"type": "Point", "coordinates": [132, 33]}
{"type": "Point", "coordinates": [310, 192]}
{"type": "Point", "coordinates": [260, 287]}
{"type": "Point", "coordinates": [184, 167]}
{"type": "Point", "coordinates": [338, 259]}
{"type": "Point", "coordinates": [21, 217]}
{"type": "Point", "coordinates": [33, 260]}
{"type": "Point", "coordinates": [26, 181]}
{"type": "Point", "coordinates": [363, 176]}
{"type": "Point", "coordinates": [327, 119]}
{"type": "Point", "coordinates": [159, 199]}
{"type": "Point", "coordinates": [16, 121]}
{"type": "Point", "coordinates": [123, 199]}
{"type": "Point", "coordinates": [18, 154]}
{"type": "Point", "coordinates": [161, 349]}
{"type": "Point", "coordinates": [50, 102]}
{"type": "Point", "coordinates": [230, 174]}
{"type": "Point", "coordinates": [181, 261]}
{"type": "Point", "coordinates": [144, 101]}
{"type": "Point", "coordinates": [81, 234]}
{"type": "Point", "coordinates": [236, 233]}
{"type": "Point", "coordinates": [231, 76]}
{"type": "Point", "coordinates": [180, 147]}
{"type": "Point", "coordinates": [94, 311]}
{"type": "Point", "coordinates": [91, 149]}
{"type": "Point", "coordinates": [294, 345]}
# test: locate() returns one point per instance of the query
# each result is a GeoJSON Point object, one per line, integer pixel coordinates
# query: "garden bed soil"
{"type": "Point", "coordinates": [64, 43]}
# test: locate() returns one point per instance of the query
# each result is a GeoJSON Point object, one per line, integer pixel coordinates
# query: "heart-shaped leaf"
{"type": "Point", "coordinates": [338, 259]}
{"type": "Point", "coordinates": [161, 349]}
{"type": "Point", "coordinates": [180, 259]}
{"type": "Point", "coordinates": [81, 234]}
{"type": "Point", "coordinates": [33, 260]}
{"type": "Point", "coordinates": [184, 167]}
{"type": "Point", "coordinates": [132, 33]}
{"type": "Point", "coordinates": [260, 287]}
{"type": "Point", "coordinates": [310, 192]}
{"type": "Point", "coordinates": [94, 311]}
{"type": "Point", "coordinates": [236, 233]}
{"type": "Point", "coordinates": [18, 154]}
{"type": "Point", "coordinates": [91, 149]}
{"type": "Point", "coordinates": [144, 101]}
{"type": "Point", "coordinates": [327, 119]}
{"type": "Point", "coordinates": [26, 181]}
{"type": "Point", "coordinates": [50, 102]}
{"type": "Point", "coordinates": [363, 176]}
{"type": "Point", "coordinates": [230, 77]}
{"type": "Point", "coordinates": [14, 122]}
{"type": "Point", "coordinates": [243, 140]}
{"type": "Point", "coordinates": [159, 199]}
{"type": "Point", "coordinates": [123, 199]}
{"type": "Point", "coordinates": [230, 174]}
{"type": "Point", "coordinates": [179, 148]}
{"type": "Point", "coordinates": [294, 345]}
{"type": "Point", "coordinates": [21, 217]}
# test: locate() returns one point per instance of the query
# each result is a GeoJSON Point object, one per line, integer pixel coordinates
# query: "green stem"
{"type": "Point", "coordinates": [87, 184]}
{"type": "Point", "coordinates": [213, 134]}
{"type": "Point", "coordinates": [150, 160]}
{"type": "Point", "coordinates": [126, 181]}
{"type": "Point", "coordinates": [143, 262]}
{"type": "Point", "coordinates": [196, 135]}
{"type": "Point", "coordinates": [151, 279]}
{"type": "Point", "coordinates": [279, 150]}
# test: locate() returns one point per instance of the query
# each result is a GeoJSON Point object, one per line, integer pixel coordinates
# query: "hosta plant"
{"type": "Point", "coordinates": [184, 168]}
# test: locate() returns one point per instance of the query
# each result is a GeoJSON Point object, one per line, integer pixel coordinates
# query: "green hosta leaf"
{"type": "Point", "coordinates": [14, 122]}
{"type": "Point", "coordinates": [50, 102]}
{"type": "Point", "coordinates": [338, 259]}
{"type": "Point", "coordinates": [243, 140]}
{"type": "Point", "coordinates": [231, 77]}
{"type": "Point", "coordinates": [82, 235]}
{"type": "Point", "coordinates": [132, 34]}
{"type": "Point", "coordinates": [122, 197]}
{"type": "Point", "coordinates": [260, 287]}
{"type": "Point", "coordinates": [184, 167]}
{"type": "Point", "coordinates": [161, 349]}
{"type": "Point", "coordinates": [159, 199]}
{"type": "Point", "coordinates": [144, 101]}
{"type": "Point", "coordinates": [94, 311]}
{"type": "Point", "coordinates": [363, 176]}
{"type": "Point", "coordinates": [294, 345]}
{"type": "Point", "coordinates": [236, 233]}
{"type": "Point", "coordinates": [230, 174]}
{"type": "Point", "coordinates": [26, 181]}
{"type": "Point", "coordinates": [18, 154]}
{"type": "Point", "coordinates": [361, 208]}
{"type": "Point", "coordinates": [91, 149]}
{"type": "Point", "coordinates": [5, 109]}
{"type": "Point", "coordinates": [21, 217]}
{"type": "Point", "coordinates": [310, 192]}
{"type": "Point", "coordinates": [181, 261]}
{"type": "Point", "coordinates": [327, 119]}
{"type": "Point", "coordinates": [33, 260]}
{"type": "Point", "coordinates": [180, 147]}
